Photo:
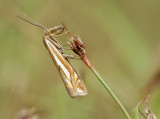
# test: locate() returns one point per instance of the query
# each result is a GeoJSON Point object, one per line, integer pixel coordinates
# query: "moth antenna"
{"type": "Point", "coordinates": [35, 23]}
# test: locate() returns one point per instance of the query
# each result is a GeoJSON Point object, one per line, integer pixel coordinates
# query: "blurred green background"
{"type": "Point", "coordinates": [122, 39]}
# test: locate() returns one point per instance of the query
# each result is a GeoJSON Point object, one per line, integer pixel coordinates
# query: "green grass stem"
{"type": "Point", "coordinates": [110, 92]}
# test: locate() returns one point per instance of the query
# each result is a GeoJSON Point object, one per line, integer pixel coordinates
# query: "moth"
{"type": "Point", "coordinates": [72, 80]}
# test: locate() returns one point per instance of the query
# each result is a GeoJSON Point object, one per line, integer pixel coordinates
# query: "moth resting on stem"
{"type": "Point", "coordinates": [73, 82]}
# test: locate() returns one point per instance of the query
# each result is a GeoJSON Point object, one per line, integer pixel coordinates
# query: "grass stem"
{"type": "Point", "coordinates": [110, 92]}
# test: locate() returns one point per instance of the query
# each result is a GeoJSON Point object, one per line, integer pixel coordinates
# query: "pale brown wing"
{"type": "Point", "coordinates": [74, 84]}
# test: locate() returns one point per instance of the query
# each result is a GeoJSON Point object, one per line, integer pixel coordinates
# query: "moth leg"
{"type": "Point", "coordinates": [71, 56]}
{"type": "Point", "coordinates": [68, 44]}
{"type": "Point", "coordinates": [67, 48]}
{"type": "Point", "coordinates": [60, 34]}
{"type": "Point", "coordinates": [55, 42]}
{"type": "Point", "coordinates": [56, 30]}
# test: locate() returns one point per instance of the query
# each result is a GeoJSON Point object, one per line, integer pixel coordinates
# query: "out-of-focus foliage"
{"type": "Point", "coordinates": [122, 41]}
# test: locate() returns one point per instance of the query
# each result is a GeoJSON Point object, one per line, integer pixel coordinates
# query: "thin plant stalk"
{"type": "Point", "coordinates": [78, 48]}
{"type": "Point", "coordinates": [110, 92]}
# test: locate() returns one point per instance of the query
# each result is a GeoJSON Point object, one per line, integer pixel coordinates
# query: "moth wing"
{"type": "Point", "coordinates": [73, 82]}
